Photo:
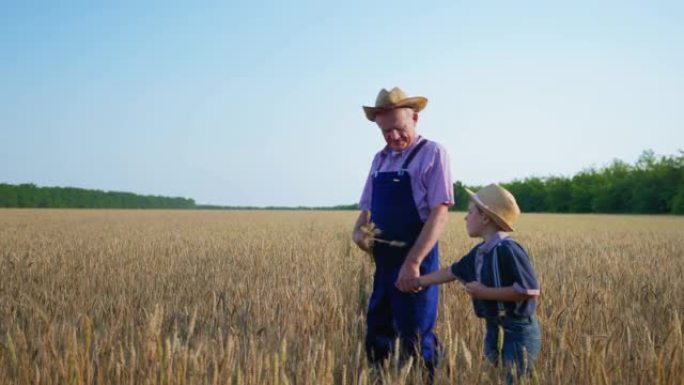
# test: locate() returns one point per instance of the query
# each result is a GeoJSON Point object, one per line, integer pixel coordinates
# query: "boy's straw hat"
{"type": "Point", "coordinates": [396, 98]}
{"type": "Point", "coordinates": [498, 204]}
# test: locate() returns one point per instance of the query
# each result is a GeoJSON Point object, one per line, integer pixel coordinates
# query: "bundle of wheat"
{"type": "Point", "coordinates": [371, 233]}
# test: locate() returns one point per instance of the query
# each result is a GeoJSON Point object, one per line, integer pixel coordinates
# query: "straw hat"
{"type": "Point", "coordinates": [498, 204]}
{"type": "Point", "coordinates": [396, 98]}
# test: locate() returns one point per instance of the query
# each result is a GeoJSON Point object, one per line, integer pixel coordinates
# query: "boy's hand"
{"type": "Point", "coordinates": [475, 289]}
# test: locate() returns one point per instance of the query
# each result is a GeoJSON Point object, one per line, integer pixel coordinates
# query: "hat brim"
{"type": "Point", "coordinates": [418, 103]}
{"type": "Point", "coordinates": [491, 214]}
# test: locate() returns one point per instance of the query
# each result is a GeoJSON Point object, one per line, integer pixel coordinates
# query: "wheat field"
{"type": "Point", "coordinates": [279, 297]}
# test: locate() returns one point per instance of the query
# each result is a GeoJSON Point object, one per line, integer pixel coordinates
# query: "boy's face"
{"type": "Point", "coordinates": [476, 221]}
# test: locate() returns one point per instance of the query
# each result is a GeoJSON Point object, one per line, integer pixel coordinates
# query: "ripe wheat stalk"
{"type": "Point", "coordinates": [201, 297]}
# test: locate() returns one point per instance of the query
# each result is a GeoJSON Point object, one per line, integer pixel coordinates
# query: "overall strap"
{"type": "Point", "coordinates": [413, 154]}
{"type": "Point", "coordinates": [497, 283]}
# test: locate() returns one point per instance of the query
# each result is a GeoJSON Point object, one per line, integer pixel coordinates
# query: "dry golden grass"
{"type": "Point", "coordinates": [176, 297]}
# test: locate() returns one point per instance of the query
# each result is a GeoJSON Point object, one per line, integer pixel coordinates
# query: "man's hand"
{"type": "Point", "coordinates": [360, 234]}
{"type": "Point", "coordinates": [362, 241]}
{"type": "Point", "coordinates": [432, 229]}
{"type": "Point", "coordinates": [407, 280]}
{"type": "Point", "coordinates": [475, 289]}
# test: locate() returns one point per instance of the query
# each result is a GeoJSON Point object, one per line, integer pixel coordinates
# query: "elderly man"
{"type": "Point", "coordinates": [406, 196]}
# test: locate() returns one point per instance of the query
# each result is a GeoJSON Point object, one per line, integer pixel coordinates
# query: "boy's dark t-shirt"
{"type": "Point", "coordinates": [515, 270]}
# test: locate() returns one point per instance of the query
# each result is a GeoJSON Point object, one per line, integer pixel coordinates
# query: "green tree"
{"type": "Point", "coordinates": [612, 192]}
{"type": "Point", "coordinates": [530, 194]}
{"type": "Point", "coordinates": [8, 196]}
{"type": "Point", "coordinates": [558, 194]}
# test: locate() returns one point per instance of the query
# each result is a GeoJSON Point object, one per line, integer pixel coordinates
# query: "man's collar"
{"type": "Point", "coordinates": [386, 151]}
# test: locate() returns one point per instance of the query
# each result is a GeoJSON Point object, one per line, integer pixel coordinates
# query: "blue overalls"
{"type": "Point", "coordinates": [392, 313]}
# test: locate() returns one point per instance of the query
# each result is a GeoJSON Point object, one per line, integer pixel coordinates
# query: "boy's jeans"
{"type": "Point", "coordinates": [521, 344]}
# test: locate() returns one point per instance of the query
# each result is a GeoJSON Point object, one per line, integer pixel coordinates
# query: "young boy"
{"type": "Point", "coordinates": [499, 277]}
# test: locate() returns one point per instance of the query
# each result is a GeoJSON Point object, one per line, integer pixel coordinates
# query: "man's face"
{"type": "Point", "coordinates": [398, 127]}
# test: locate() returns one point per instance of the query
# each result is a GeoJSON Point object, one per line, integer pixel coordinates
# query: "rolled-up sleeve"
{"type": "Point", "coordinates": [458, 270]}
{"type": "Point", "coordinates": [518, 263]}
{"type": "Point", "coordinates": [367, 194]}
{"type": "Point", "coordinates": [365, 201]}
{"type": "Point", "coordinates": [440, 186]}
{"type": "Point", "coordinates": [464, 269]}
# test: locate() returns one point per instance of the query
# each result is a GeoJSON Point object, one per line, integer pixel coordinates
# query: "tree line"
{"type": "Point", "coordinates": [30, 195]}
{"type": "Point", "coordinates": [653, 185]}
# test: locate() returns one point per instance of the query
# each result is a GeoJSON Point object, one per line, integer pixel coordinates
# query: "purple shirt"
{"type": "Point", "coordinates": [431, 181]}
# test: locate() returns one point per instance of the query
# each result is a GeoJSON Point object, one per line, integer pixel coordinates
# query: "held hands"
{"type": "Point", "coordinates": [408, 279]}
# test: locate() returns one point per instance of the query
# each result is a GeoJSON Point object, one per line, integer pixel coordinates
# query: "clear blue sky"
{"type": "Point", "coordinates": [259, 103]}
